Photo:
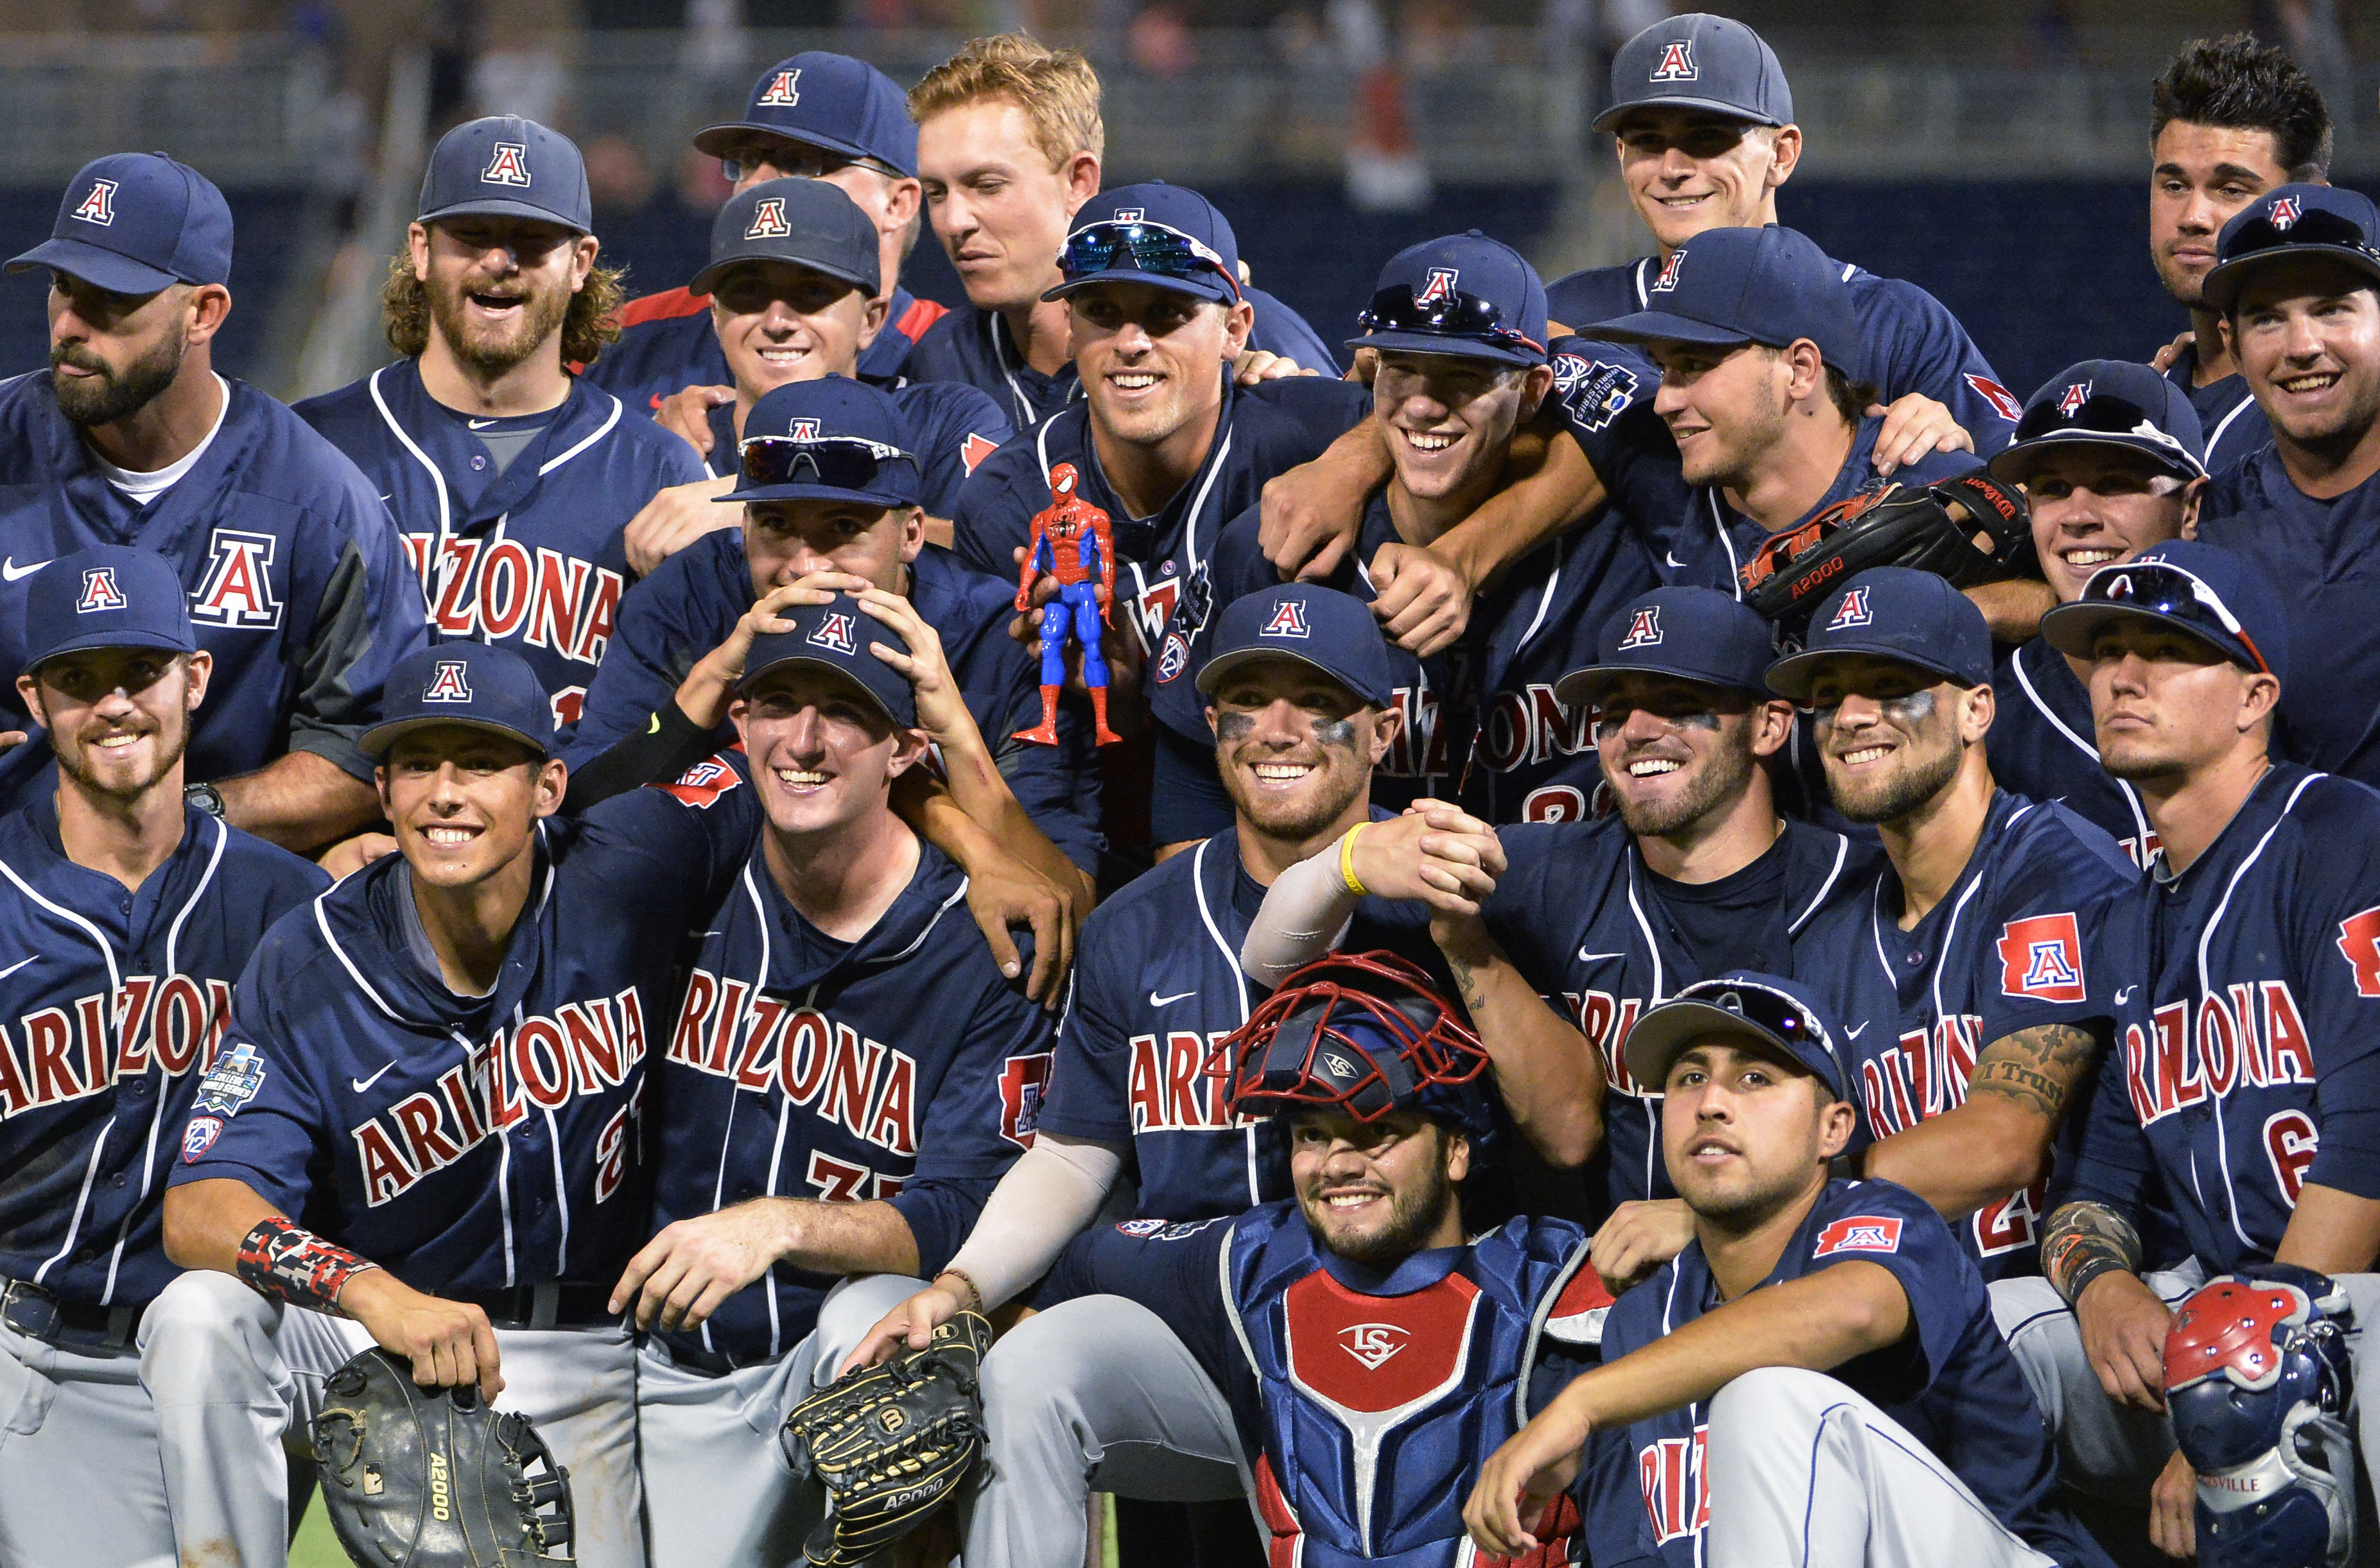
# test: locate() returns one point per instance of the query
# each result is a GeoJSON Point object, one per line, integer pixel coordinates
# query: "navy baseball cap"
{"type": "Point", "coordinates": [478, 684]}
{"type": "Point", "coordinates": [133, 223]}
{"type": "Point", "coordinates": [1768, 285]}
{"type": "Point", "coordinates": [2108, 402]}
{"type": "Point", "coordinates": [836, 637]}
{"type": "Point", "coordinates": [1699, 61]}
{"type": "Point", "coordinates": [808, 222]}
{"type": "Point", "coordinates": [832, 438]}
{"type": "Point", "coordinates": [1896, 613]}
{"type": "Point", "coordinates": [1696, 634]}
{"type": "Point", "coordinates": [1335, 633]}
{"type": "Point", "coordinates": [505, 166]}
{"type": "Point", "coordinates": [2294, 219]}
{"type": "Point", "coordinates": [829, 101]}
{"type": "Point", "coordinates": [1167, 235]}
{"type": "Point", "coordinates": [1781, 1015]}
{"type": "Point", "coordinates": [2222, 598]}
{"type": "Point", "coordinates": [1466, 295]}
{"type": "Point", "coordinates": [107, 597]}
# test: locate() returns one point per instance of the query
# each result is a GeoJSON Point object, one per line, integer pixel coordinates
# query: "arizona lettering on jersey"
{"type": "Point", "coordinates": [68, 1051]}
{"type": "Point", "coordinates": [1677, 1491]}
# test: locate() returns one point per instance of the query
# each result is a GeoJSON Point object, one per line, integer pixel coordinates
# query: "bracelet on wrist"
{"type": "Point", "coordinates": [974, 1302]}
{"type": "Point", "coordinates": [1347, 860]}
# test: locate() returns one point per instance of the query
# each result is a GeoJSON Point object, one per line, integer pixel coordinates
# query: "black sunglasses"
{"type": "Point", "coordinates": [795, 160]}
{"type": "Point", "coordinates": [1447, 313]}
{"type": "Point", "coordinates": [842, 462]}
{"type": "Point", "coordinates": [2308, 228]}
{"type": "Point", "coordinates": [1151, 247]}
{"type": "Point", "coordinates": [1770, 1010]}
{"type": "Point", "coordinates": [2159, 589]}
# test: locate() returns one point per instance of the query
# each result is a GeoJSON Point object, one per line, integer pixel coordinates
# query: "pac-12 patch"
{"type": "Point", "coordinates": [1860, 1233]}
{"type": "Point", "coordinates": [200, 1137]}
{"type": "Point", "coordinates": [2040, 957]}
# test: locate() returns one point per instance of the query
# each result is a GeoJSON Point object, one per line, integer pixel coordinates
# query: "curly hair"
{"type": "Point", "coordinates": [2239, 84]}
{"type": "Point", "coordinates": [591, 321]}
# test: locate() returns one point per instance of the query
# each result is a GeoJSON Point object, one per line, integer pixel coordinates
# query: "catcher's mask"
{"type": "Point", "coordinates": [1363, 1035]}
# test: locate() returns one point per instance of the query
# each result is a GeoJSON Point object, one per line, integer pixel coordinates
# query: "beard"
{"type": "Point", "coordinates": [1414, 1218]}
{"type": "Point", "coordinates": [491, 351]}
{"type": "Point", "coordinates": [74, 762]}
{"type": "Point", "coordinates": [1898, 796]}
{"type": "Point", "coordinates": [1722, 780]}
{"type": "Point", "coordinates": [111, 395]}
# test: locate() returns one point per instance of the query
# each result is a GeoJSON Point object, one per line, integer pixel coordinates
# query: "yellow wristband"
{"type": "Point", "coordinates": [1347, 860]}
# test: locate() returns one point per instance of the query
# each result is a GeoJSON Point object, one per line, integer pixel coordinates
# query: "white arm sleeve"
{"type": "Point", "coordinates": [1054, 1190]}
{"type": "Point", "coordinates": [1306, 911]}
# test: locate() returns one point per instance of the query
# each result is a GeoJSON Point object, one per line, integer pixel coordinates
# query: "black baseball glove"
{"type": "Point", "coordinates": [429, 1478]}
{"type": "Point", "coordinates": [1971, 529]}
{"type": "Point", "coordinates": [891, 1442]}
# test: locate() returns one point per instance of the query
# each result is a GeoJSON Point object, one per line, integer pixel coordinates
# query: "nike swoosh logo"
{"type": "Point", "coordinates": [361, 1084]}
{"type": "Point", "coordinates": [1586, 958]}
{"type": "Point", "coordinates": [386, 495]}
{"type": "Point", "coordinates": [1672, 557]}
{"type": "Point", "coordinates": [10, 570]}
{"type": "Point", "coordinates": [1157, 1001]}
{"type": "Point", "coordinates": [12, 969]}
{"type": "Point", "coordinates": [479, 424]}
{"type": "Point", "coordinates": [1854, 1033]}
{"type": "Point", "coordinates": [2122, 996]}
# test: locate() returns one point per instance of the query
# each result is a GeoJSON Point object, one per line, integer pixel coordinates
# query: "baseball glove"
{"type": "Point", "coordinates": [891, 1442]}
{"type": "Point", "coordinates": [1971, 529]}
{"type": "Point", "coordinates": [429, 1478]}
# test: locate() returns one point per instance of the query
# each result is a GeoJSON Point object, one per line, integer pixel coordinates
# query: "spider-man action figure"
{"type": "Point", "coordinates": [1072, 542]}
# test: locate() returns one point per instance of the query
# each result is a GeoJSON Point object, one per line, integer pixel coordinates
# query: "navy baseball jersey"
{"type": "Point", "coordinates": [1481, 721]}
{"type": "Point", "coordinates": [668, 344]}
{"type": "Point", "coordinates": [297, 585]}
{"type": "Point", "coordinates": [112, 1006]}
{"type": "Point", "coordinates": [1157, 983]}
{"type": "Point", "coordinates": [532, 557]}
{"type": "Point", "coordinates": [901, 1066]}
{"type": "Point", "coordinates": [2316, 551]}
{"type": "Point", "coordinates": [2234, 422]}
{"type": "Point", "coordinates": [1913, 343]}
{"type": "Point", "coordinates": [950, 428]}
{"type": "Point", "coordinates": [693, 601]}
{"type": "Point", "coordinates": [1366, 1398]}
{"type": "Point", "coordinates": [471, 1143]}
{"type": "Point", "coordinates": [1951, 1382]}
{"type": "Point", "coordinates": [1602, 937]}
{"type": "Point", "coordinates": [975, 347]}
{"type": "Point", "coordinates": [2042, 745]}
{"type": "Point", "coordinates": [2248, 1011]}
{"type": "Point", "coordinates": [1261, 432]}
{"type": "Point", "coordinates": [2008, 948]}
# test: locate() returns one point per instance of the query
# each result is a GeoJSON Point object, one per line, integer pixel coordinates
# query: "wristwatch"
{"type": "Point", "coordinates": [206, 797]}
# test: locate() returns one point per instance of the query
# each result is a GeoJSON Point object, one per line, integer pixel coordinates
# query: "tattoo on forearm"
{"type": "Point", "coordinates": [2082, 1241]}
{"type": "Point", "coordinates": [1466, 982]}
{"type": "Point", "coordinates": [2035, 1069]}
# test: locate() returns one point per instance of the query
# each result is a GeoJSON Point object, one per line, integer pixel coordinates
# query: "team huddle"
{"type": "Point", "coordinates": [1658, 927]}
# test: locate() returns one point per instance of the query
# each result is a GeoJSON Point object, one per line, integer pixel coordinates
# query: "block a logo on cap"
{"type": "Point", "coordinates": [1853, 612]}
{"type": "Point", "coordinates": [1643, 629]}
{"type": "Point", "coordinates": [98, 205]}
{"type": "Point", "coordinates": [769, 220]}
{"type": "Point", "coordinates": [447, 683]}
{"type": "Point", "coordinates": [783, 93]}
{"type": "Point", "coordinates": [509, 165]}
{"type": "Point", "coordinates": [837, 632]}
{"type": "Point", "coordinates": [1288, 620]}
{"type": "Point", "coordinates": [1440, 285]}
{"type": "Point", "coordinates": [1129, 214]}
{"type": "Point", "coordinates": [2071, 402]}
{"type": "Point", "coordinates": [802, 430]}
{"type": "Point", "coordinates": [1668, 278]}
{"type": "Point", "coordinates": [2285, 214]}
{"type": "Point", "coordinates": [98, 591]}
{"type": "Point", "coordinates": [1677, 62]}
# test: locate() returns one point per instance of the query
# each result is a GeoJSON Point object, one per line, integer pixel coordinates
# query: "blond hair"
{"type": "Point", "coordinates": [1056, 89]}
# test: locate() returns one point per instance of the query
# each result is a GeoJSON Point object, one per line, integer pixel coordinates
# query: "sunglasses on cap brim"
{"type": "Point", "coordinates": [1770, 1011]}
{"type": "Point", "coordinates": [2311, 228]}
{"type": "Point", "coordinates": [1147, 246]}
{"type": "Point", "coordinates": [1449, 313]}
{"type": "Point", "coordinates": [2156, 588]}
{"type": "Point", "coordinates": [841, 463]}
{"type": "Point", "coordinates": [2106, 414]}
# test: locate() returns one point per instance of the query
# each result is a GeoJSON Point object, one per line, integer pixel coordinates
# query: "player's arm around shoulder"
{"type": "Point", "coordinates": [690, 1269]}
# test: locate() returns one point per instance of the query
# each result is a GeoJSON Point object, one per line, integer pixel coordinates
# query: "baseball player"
{"type": "Point", "coordinates": [1458, 325]}
{"type": "Point", "coordinates": [1961, 974]}
{"type": "Point", "coordinates": [812, 116]}
{"type": "Point", "coordinates": [2243, 1068]}
{"type": "Point", "coordinates": [1009, 143]}
{"type": "Point", "coordinates": [297, 588]}
{"type": "Point", "coordinates": [847, 1077]}
{"type": "Point", "coordinates": [510, 480]}
{"type": "Point", "coordinates": [130, 914]}
{"type": "Point", "coordinates": [1816, 1379]}
{"type": "Point", "coordinates": [2230, 119]}
{"type": "Point", "coordinates": [831, 499]}
{"type": "Point", "coordinates": [2109, 457]}
{"type": "Point", "coordinates": [2298, 285]}
{"type": "Point", "coordinates": [1694, 870]}
{"type": "Point", "coordinates": [423, 1126]}
{"type": "Point", "coordinates": [792, 285]}
{"type": "Point", "coordinates": [1343, 1358]}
